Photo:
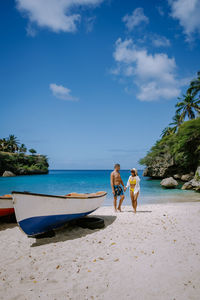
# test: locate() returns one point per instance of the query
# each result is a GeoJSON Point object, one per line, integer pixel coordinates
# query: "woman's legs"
{"type": "Point", "coordinates": [132, 199]}
{"type": "Point", "coordinates": [135, 200]}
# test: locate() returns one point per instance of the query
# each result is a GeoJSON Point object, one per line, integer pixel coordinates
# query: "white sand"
{"type": "Point", "coordinates": [152, 255]}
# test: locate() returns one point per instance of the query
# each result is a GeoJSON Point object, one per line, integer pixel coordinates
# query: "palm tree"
{"type": "Point", "coordinates": [195, 85]}
{"type": "Point", "coordinates": [32, 151]}
{"type": "Point", "coordinates": [168, 131]}
{"type": "Point", "coordinates": [188, 106]}
{"type": "Point", "coordinates": [3, 145]}
{"type": "Point", "coordinates": [177, 121]}
{"type": "Point", "coordinates": [13, 143]}
{"type": "Point", "coordinates": [22, 148]}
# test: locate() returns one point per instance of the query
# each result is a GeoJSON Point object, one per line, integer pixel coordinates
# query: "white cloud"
{"type": "Point", "coordinates": [136, 18]}
{"type": "Point", "coordinates": [61, 92]}
{"type": "Point", "coordinates": [187, 12]}
{"type": "Point", "coordinates": [154, 90]}
{"type": "Point", "coordinates": [154, 74]}
{"type": "Point", "coordinates": [55, 15]}
{"type": "Point", "coordinates": [160, 41]}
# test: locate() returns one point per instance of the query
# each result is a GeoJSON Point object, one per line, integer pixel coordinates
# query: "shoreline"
{"type": "Point", "coordinates": [151, 255]}
{"type": "Point", "coordinates": [190, 197]}
{"type": "Point", "coordinates": [62, 182]}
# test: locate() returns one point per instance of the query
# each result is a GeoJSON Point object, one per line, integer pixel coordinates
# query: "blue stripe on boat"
{"type": "Point", "coordinates": [38, 225]}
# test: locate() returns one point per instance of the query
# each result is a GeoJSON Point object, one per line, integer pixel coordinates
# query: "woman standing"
{"type": "Point", "coordinates": [134, 184]}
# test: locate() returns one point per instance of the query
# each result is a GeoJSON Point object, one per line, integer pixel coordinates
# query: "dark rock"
{"type": "Point", "coordinates": [196, 184]}
{"type": "Point", "coordinates": [177, 176]}
{"type": "Point", "coordinates": [193, 184]}
{"type": "Point", "coordinates": [157, 172]}
{"type": "Point", "coordinates": [145, 172]}
{"type": "Point", "coordinates": [162, 167]}
{"type": "Point", "coordinates": [187, 186]}
{"type": "Point", "coordinates": [187, 177]}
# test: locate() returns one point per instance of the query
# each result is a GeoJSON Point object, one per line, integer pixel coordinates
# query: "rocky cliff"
{"type": "Point", "coordinates": [176, 155]}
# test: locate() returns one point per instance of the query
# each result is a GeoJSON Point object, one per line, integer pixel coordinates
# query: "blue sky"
{"type": "Point", "coordinates": [90, 82]}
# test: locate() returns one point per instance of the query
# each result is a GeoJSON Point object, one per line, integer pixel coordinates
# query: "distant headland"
{"type": "Point", "coordinates": [14, 159]}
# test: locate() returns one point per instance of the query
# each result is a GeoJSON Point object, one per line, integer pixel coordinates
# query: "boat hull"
{"type": "Point", "coordinates": [6, 206]}
{"type": "Point", "coordinates": [38, 225]}
{"type": "Point", "coordinates": [6, 211]}
{"type": "Point", "coordinates": [37, 214]}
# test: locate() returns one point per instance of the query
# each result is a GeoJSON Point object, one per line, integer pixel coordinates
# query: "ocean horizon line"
{"type": "Point", "coordinates": [91, 169]}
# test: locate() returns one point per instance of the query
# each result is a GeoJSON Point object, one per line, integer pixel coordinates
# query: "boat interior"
{"type": "Point", "coordinates": [70, 195]}
{"type": "Point", "coordinates": [6, 197]}
{"type": "Point", "coordinates": [85, 196]}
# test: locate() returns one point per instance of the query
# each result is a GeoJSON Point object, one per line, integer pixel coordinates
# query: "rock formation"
{"type": "Point", "coordinates": [169, 182]}
{"type": "Point", "coordinates": [8, 174]}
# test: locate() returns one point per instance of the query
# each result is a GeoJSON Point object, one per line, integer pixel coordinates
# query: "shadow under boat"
{"type": "Point", "coordinates": [70, 231]}
{"type": "Point", "coordinates": [8, 222]}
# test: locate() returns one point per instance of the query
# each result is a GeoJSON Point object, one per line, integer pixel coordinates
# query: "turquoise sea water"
{"type": "Point", "coordinates": [62, 182]}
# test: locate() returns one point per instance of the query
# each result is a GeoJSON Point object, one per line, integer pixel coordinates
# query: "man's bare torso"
{"type": "Point", "coordinates": [116, 178]}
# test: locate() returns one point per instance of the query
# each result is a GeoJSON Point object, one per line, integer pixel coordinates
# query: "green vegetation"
{"type": "Point", "coordinates": [14, 159]}
{"type": "Point", "coordinates": [197, 177]}
{"type": "Point", "coordinates": [195, 85]}
{"type": "Point", "coordinates": [180, 142]}
{"type": "Point", "coordinates": [10, 144]}
{"type": "Point", "coordinates": [32, 151]}
{"type": "Point", "coordinates": [183, 147]}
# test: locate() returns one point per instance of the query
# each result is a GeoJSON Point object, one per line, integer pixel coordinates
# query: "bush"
{"type": "Point", "coordinates": [23, 164]}
{"type": "Point", "coordinates": [182, 147]}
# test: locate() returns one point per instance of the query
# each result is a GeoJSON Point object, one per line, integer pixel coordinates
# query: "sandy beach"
{"type": "Point", "coordinates": [154, 254]}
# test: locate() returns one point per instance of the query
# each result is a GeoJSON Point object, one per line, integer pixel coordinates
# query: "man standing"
{"type": "Point", "coordinates": [116, 182]}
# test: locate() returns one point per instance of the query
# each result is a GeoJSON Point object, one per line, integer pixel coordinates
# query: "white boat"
{"type": "Point", "coordinates": [39, 213]}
